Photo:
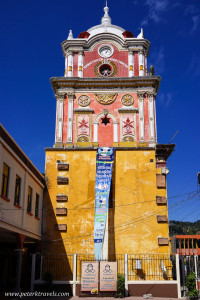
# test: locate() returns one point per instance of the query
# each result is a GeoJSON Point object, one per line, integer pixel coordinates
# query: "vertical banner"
{"type": "Point", "coordinates": [104, 166]}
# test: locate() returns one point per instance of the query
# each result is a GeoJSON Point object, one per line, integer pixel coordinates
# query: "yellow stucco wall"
{"type": "Point", "coordinates": [133, 226]}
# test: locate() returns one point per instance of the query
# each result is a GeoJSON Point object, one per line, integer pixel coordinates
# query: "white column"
{"type": "Point", "coordinates": [80, 64]}
{"type": "Point", "coordinates": [115, 129]}
{"type": "Point", "coordinates": [70, 117]}
{"type": "Point", "coordinates": [151, 120]}
{"type": "Point", "coordinates": [74, 273]}
{"type": "Point", "coordinates": [178, 276]}
{"type": "Point", "coordinates": [59, 129]}
{"type": "Point", "coordinates": [104, 255]}
{"type": "Point", "coordinates": [66, 59]}
{"type": "Point", "coordinates": [141, 63]}
{"type": "Point", "coordinates": [70, 64]}
{"type": "Point", "coordinates": [145, 64]}
{"type": "Point", "coordinates": [155, 122]}
{"type": "Point", "coordinates": [126, 273]}
{"type": "Point", "coordinates": [95, 138]}
{"type": "Point", "coordinates": [131, 64]}
{"type": "Point", "coordinates": [141, 117]}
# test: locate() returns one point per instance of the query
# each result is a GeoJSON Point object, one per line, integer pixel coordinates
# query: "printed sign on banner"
{"type": "Point", "coordinates": [90, 277]}
{"type": "Point", "coordinates": [104, 166]}
{"type": "Point", "coordinates": [108, 276]}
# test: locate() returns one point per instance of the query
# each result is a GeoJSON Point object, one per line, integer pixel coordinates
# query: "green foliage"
{"type": "Point", "coordinates": [191, 285]}
{"type": "Point", "coordinates": [120, 284]}
{"type": "Point", "coordinates": [179, 227]}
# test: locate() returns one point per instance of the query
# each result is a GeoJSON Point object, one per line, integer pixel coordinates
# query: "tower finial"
{"type": "Point", "coordinates": [106, 18]}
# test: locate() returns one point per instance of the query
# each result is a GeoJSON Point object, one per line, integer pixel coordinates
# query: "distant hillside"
{"type": "Point", "coordinates": [179, 227]}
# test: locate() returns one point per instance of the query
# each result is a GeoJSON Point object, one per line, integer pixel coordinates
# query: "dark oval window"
{"type": "Point", "coordinates": [105, 70]}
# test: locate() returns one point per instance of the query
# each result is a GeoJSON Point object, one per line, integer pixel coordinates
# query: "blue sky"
{"type": "Point", "coordinates": [31, 33]}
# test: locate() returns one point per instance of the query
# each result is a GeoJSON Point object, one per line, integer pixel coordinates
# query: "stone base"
{"type": "Point", "coordinates": [58, 145]}
{"type": "Point", "coordinates": [115, 144]}
{"type": "Point", "coordinates": [95, 145]}
{"type": "Point", "coordinates": [69, 145]}
{"type": "Point", "coordinates": [143, 144]}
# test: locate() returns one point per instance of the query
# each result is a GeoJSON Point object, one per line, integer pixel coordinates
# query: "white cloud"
{"type": "Point", "coordinates": [165, 99]}
{"type": "Point", "coordinates": [194, 67]}
{"type": "Point", "coordinates": [156, 8]}
{"type": "Point", "coordinates": [192, 12]}
{"type": "Point", "coordinates": [195, 20]}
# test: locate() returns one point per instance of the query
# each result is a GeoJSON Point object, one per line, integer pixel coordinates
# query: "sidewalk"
{"type": "Point", "coordinates": [91, 298]}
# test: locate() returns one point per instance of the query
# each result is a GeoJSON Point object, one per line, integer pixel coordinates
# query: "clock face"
{"type": "Point", "coordinates": [105, 51]}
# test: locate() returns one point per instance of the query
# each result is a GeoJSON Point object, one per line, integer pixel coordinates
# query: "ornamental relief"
{"type": "Point", "coordinates": [127, 100]}
{"type": "Point", "coordinates": [83, 139]}
{"type": "Point", "coordinates": [83, 125]}
{"type": "Point", "coordinates": [128, 127]}
{"type": "Point", "coordinates": [128, 139]}
{"type": "Point", "coordinates": [105, 99]}
{"type": "Point", "coordinates": [105, 68]}
{"type": "Point", "coordinates": [84, 100]}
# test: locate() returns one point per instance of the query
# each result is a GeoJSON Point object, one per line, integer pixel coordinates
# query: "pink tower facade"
{"type": "Point", "coordinates": [107, 96]}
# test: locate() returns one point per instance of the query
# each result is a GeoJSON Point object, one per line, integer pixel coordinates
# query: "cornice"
{"type": "Point", "coordinates": [77, 44]}
{"type": "Point", "coordinates": [139, 82]}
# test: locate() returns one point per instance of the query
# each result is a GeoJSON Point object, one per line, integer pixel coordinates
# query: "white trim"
{"type": "Point", "coordinates": [153, 282]}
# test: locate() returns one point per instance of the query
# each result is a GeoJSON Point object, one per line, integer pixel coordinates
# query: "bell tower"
{"type": "Point", "coordinates": [106, 98]}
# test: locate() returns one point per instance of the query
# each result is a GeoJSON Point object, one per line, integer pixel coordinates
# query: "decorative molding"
{"type": "Point", "coordinates": [141, 96]}
{"type": "Point", "coordinates": [61, 227]}
{"type": "Point", "coordinates": [84, 100]}
{"type": "Point", "coordinates": [105, 99]}
{"type": "Point", "coordinates": [128, 139]}
{"type": "Point", "coordinates": [84, 111]}
{"type": "Point", "coordinates": [162, 218]}
{"type": "Point", "coordinates": [60, 97]}
{"type": "Point", "coordinates": [105, 62]}
{"type": "Point", "coordinates": [128, 110]}
{"type": "Point", "coordinates": [161, 200]}
{"type": "Point", "coordinates": [62, 180]}
{"type": "Point", "coordinates": [127, 100]}
{"type": "Point", "coordinates": [63, 167]}
{"type": "Point", "coordinates": [61, 198]}
{"type": "Point", "coordinates": [82, 139]}
{"type": "Point", "coordinates": [61, 211]}
{"type": "Point", "coordinates": [163, 241]}
{"type": "Point", "coordinates": [70, 96]}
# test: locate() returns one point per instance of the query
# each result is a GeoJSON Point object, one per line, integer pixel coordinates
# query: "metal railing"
{"type": "Point", "coordinates": [60, 266]}
{"type": "Point", "coordinates": [139, 266]}
{"type": "Point", "coordinates": [150, 267]}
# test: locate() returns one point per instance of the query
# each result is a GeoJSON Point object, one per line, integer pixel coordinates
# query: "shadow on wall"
{"type": "Point", "coordinates": [56, 263]}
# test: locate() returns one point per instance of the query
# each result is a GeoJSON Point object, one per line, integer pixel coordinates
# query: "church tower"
{"type": "Point", "coordinates": [106, 98]}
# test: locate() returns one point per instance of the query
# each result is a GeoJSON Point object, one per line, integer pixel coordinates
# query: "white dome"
{"type": "Point", "coordinates": [106, 26]}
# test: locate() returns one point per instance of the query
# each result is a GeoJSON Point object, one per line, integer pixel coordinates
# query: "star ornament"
{"type": "Point", "coordinates": [105, 120]}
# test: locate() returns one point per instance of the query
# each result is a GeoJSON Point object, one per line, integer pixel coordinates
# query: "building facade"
{"type": "Point", "coordinates": [106, 98]}
{"type": "Point", "coordinates": [21, 201]}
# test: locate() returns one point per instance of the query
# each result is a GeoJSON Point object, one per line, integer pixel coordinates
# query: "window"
{"type": "Point", "coordinates": [5, 178]}
{"type": "Point", "coordinates": [29, 203]}
{"type": "Point", "coordinates": [37, 206]}
{"type": "Point", "coordinates": [17, 190]}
